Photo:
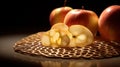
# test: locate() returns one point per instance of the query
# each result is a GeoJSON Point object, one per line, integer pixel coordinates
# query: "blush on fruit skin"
{"type": "Point", "coordinates": [84, 17]}
{"type": "Point", "coordinates": [57, 15]}
{"type": "Point", "coordinates": [109, 23]}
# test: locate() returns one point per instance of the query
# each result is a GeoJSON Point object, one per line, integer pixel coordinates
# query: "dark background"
{"type": "Point", "coordinates": [33, 16]}
{"type": "Point", "coordinates": [28, 17]}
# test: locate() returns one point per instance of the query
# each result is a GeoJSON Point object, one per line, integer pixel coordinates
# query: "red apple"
{"type": "Point", "coordinates": [109, 23]}
{"type": "Point", "coordinates": [84, 17]}
{"type": "Point", "coordinates": [57, 15]}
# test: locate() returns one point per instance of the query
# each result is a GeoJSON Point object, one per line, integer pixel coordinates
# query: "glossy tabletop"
{"type": "Point", "coordinates": [9, 57]}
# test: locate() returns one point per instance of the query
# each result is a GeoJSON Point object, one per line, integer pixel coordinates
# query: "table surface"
{"type": "Point", "coordinates": [9, 57]}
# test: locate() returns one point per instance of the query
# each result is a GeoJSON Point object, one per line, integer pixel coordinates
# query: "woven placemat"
{"type": "Point", "coordinates": [99, 49]}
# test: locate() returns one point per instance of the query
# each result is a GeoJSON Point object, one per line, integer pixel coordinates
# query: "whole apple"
{"type": "Point", "coordinates": [109, 23]}
{"type": "Point", "coordinates": [84, 17]}
{"type": "Point", "coordinates": [57, 15]}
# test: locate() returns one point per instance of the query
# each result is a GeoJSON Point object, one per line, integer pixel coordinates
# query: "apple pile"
{"type": "Point", "coordinates": [78, 27]}
{"type": "Point", "coordinates": [71, 16]}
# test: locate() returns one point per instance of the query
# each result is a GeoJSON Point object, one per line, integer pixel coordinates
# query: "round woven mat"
{"type": "Point", "coordinates": [99, 49]}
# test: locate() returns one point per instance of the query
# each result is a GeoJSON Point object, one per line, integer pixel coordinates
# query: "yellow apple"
{"type": "Point", "coordinates": [57, 15]}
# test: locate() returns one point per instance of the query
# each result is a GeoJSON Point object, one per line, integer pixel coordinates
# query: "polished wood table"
{"type": "Point", "coordinates": [11, 58]}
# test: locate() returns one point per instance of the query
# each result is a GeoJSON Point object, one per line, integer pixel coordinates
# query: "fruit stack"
{"type": "Point", "coordinates": [78, 27]}
{"type": "Point", "coordinates": [73, 34]}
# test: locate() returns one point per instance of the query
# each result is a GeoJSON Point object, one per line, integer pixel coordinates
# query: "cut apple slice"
{"type": "Point", "coordinates": [54, 36]}
{"type": "Point", "coordinates": [49, 38]}
{"type": "Point", "coordinates": [64, 41]}
{"type": "Point", "coordinates": [61, 28]}
{"type": "Point", "coordinates": [81, 36]}
{"type": "Point", "coordinates": [45, 39]}
{"type": "Point", "coordinates": [57, 39]}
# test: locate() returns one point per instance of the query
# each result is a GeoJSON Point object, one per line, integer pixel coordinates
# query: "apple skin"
{"type": "Point", "coordinates": [109, 23]}
{"type": "Point", "coordinates": [57, 15]}
{"type": "Point", "coordinates": [84, 17]}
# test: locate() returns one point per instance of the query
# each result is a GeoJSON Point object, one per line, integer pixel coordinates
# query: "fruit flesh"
{"type": "Point", "coordinates": [82, 36]}
{"type": "Point", "coordinates": [60, 35]}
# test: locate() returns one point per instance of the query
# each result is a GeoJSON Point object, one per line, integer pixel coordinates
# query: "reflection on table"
{"type": "Point", "coordinates": [7, 53]}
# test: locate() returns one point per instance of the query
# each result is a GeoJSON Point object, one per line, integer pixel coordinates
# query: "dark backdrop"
{"type": "Point", "coordinates": [33, 16]}
{"type": "Point", "coordinates": [19, 17]}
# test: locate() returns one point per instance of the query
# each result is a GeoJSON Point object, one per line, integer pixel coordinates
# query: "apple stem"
{"type": "Point", "coordinates": [82, 7]}
{"type": "Point", "coordinates": [65, 1]}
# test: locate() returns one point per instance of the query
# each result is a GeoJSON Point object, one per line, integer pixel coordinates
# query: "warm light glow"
{"type": "Point", "coordinates": [75, 11]}
{"type": "Point", "coordinates": [58, 10]}
{"type": "Point", "coordinates": [108, 10]}
{"type": "Point", "coordinates": [82, 37]}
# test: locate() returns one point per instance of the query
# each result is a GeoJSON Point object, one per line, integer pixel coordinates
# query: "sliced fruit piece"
{"type": "Point", "coordinates": [81, 36]}
{"type": "Point", "coordinates": [45, 39]}
{"type": "Point", "coordinates": [54, 36]}
{"type": "Point", "coordinates": [61, 27]}
{"type": "Point", "coordinates": [65, 40]}
{"type": "Point", "coordinates": [57, 39]}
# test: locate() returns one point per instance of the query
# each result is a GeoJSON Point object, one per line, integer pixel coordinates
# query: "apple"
{"type": "Point", "coordinates": [57, 15]}
{"type": "Point", "coordinates": [109, 23]}
{"type": "Point", "coordinates": [84, 17]}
